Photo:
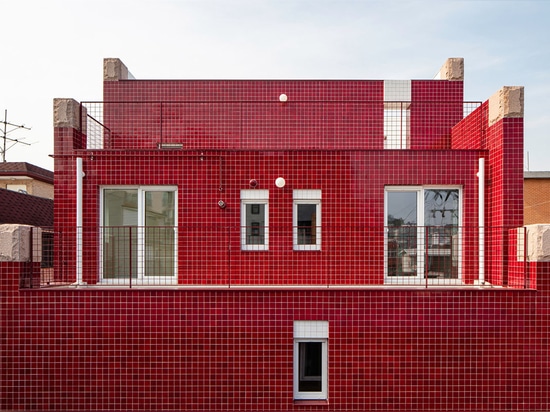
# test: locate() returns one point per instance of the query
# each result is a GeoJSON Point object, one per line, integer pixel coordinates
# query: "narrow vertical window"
{"type": "Point", "coordinates": [307, 220]}
{"type": "Point", "coordinates": [254, 220]}
{"type": "Point", "coordinates": [311, 360]}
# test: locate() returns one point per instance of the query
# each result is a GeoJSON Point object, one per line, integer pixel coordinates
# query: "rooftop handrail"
{"type": "Point", "coordinates": [151, 124]}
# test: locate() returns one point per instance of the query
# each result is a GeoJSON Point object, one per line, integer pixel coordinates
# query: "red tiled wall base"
{"type": "Point", "coordinates": [27, 275]}
{"type": "Point", "coordinates": [232, 350]}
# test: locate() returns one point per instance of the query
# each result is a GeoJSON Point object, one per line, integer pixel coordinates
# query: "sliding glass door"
{"type": "Point", "coordinates": [139, 234]}
{"type": "Point", "coordinates": [422, 239]}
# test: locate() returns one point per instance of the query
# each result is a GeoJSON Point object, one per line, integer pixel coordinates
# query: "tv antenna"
{"type": "Point", "coordinates": [6, 139]}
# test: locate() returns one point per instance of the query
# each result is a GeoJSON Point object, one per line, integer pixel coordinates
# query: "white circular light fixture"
{"type": "Point", "coordinates": [280, 182]}
{"type": "Point", "coordinates": [283, 98]}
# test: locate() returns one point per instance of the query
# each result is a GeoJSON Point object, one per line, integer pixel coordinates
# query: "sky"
{"type": "Point", "coordinates": [55, 49]}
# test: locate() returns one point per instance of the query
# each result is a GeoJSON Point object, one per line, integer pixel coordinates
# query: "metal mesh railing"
{"type": "Point", "coordinates": [220, 256]}
{"type": "Point", "coordinates": [235, 125]}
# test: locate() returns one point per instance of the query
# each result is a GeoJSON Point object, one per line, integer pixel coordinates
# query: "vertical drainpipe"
{"type": "Point", "coordinates": [79, 178]}
{"type": "Point", "coordinates": [481, 217]}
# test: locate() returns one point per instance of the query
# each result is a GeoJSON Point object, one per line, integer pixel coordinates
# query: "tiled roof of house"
{"type": "Point", "coordinates": [26, 169]}
{"type": "Point", "coordinates": [25, 209]}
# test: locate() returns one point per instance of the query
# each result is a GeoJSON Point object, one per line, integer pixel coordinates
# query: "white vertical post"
{"type": "Point", "coordinates": [79, 178]}
{"type": "Point", "coordinates": [481, 217]}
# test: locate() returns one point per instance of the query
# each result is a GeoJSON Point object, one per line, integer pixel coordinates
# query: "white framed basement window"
{"type": "Point", "coordinates": [306, 219]}
{"type": "Point", "coordinates": [138, 234]}
{"type": "Point", "coordinates": [310, 360]}
{"type": "Point", "coordinates": [254, 219]}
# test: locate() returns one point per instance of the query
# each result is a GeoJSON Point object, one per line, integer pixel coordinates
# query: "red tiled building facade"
{"type": "Point", "coordinates": [283, 245]}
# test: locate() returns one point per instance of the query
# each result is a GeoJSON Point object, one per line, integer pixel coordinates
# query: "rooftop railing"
{"type": "Point", "coordinates": [244, 125]}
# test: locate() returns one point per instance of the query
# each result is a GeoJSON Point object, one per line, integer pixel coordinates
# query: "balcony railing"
{"type": "Point", "coordinates": [217, 256]}
{"type": "Point", "coordinates": [244, 124]}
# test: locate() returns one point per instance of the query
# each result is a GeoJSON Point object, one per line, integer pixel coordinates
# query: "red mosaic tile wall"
{"type": "Point", "coordinates": [389, 350]}
{"type": "Point", "coordinates": [435, 106]}
{"type": "Point", "coordinates": [505, 188]}
{"type": "Point", "coordinates": [352, 209]}
{"type": "Point", "coordinates": [470, 132]}
{"type": "Point", "coordinates": [248, 114]}
{"type": "Point", "coordinates": [504, 179]}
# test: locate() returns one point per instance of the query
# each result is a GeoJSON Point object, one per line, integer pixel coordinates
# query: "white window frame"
{"type": "Point", "coordinates": [311, 331]}
{"type": "Point", "coordinates": [141, 278]}
{"type": "Point", "coordinates": [310, 197]}
{"type": "Point", "coordinates": [255, 196]}
{"type": "Point", "coordinates": [421, 246]}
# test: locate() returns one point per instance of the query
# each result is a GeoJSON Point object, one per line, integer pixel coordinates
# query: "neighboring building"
{"type": "Point", "coordinates": [284, 245]}
{"type": "Point", "coordinates": [25, 209]}
{"type": "Point", "coordinates": [36, 215]}
{"type": "Point", "coordinates": [536, 189]}
{"type": "Point", "coordinates": [26, 178]}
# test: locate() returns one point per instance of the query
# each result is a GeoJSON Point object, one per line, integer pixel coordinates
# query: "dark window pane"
{"type": "Point", "coordinates": [441, 220]}
{"type": "Point", "coordinates": [402, 233]}
{"type": "Point", "coordinates": [311, 366]}
{"type": "Point", "coordinates": [255, 224]}
{"type": "Point", "coordinates": [306, 224]}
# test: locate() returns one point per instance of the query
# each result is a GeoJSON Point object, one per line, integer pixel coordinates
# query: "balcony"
{"type": "Point", "coordinates": [204, 256]}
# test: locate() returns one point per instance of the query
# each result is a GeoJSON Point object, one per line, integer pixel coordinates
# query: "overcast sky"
{"type": "Point", "coordinates": [53, 48]}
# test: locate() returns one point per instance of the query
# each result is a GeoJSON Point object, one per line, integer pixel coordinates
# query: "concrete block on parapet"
{"type": "Point", "coordinates": [508, 102]}
{"type": "Point", "coordinates": [114, 70]}
{"type": "Point", "coordinates": [452, 69]}
{"type": "Point", "coordinates": [16, 244]}
{"type": "Point", "coordinates": [68, 113]}
{"type": "Point", "coordinates": [537, 243]}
